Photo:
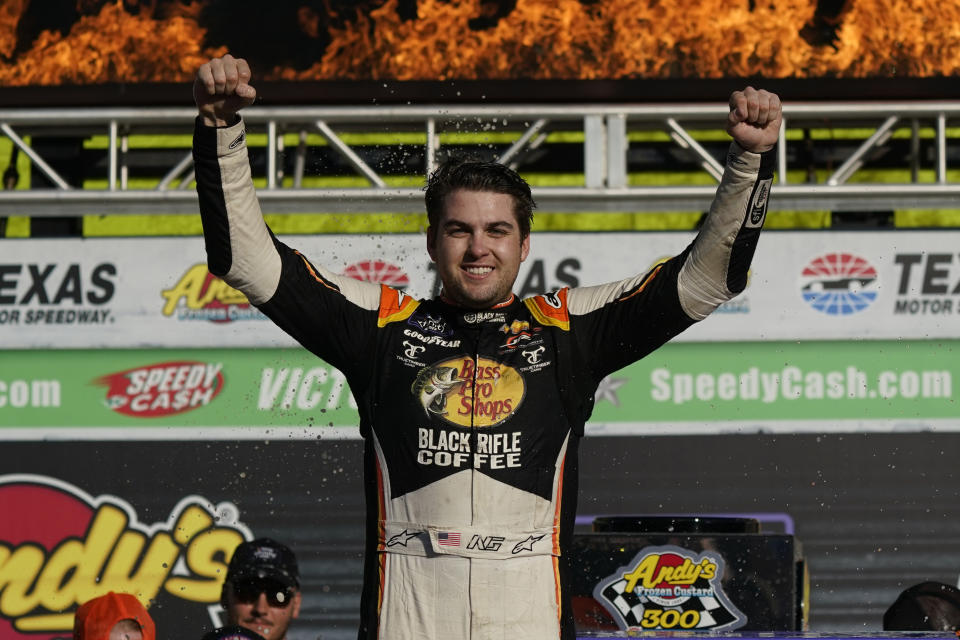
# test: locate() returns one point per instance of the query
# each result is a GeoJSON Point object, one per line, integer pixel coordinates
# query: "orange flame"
{"type": "Point", "coordinates": [538, 39]}
{"type": "Point", "coordinates": [112, 46]}
{"type": "Point", "coordinates": [568, 39]}
{"type": "Point", "coordinates": [9, 16]}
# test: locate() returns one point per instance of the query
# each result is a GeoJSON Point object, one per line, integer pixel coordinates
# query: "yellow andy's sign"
{"type": "Point", "coordinates": [60, 547]}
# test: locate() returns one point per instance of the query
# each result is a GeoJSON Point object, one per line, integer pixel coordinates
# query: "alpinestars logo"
{"type": "Point", "coordinates": [839, 284]}
{"type": "Point", "coordinates": [666, 588]}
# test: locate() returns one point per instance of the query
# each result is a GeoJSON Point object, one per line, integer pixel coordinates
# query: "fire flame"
{"type": "Point", "coordinates": [537, 39]}
{"type": "Point", "coordinates": [111, 46]}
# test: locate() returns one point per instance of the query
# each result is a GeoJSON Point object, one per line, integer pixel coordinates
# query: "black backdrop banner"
{"type": "Point", "coordinates": [874, 513]}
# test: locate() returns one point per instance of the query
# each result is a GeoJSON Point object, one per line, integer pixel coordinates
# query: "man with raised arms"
{"type": "Point", "coordinates": [472, 404]}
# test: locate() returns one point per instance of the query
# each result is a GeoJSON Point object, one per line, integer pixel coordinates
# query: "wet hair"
{"type": "Point", "coordinates": [457, 174]}
{"type": "Point", "coordinates": [928, 606]}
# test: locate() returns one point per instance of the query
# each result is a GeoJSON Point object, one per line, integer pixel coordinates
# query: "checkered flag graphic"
{"type": "Point", "coordinates": [713, 613]}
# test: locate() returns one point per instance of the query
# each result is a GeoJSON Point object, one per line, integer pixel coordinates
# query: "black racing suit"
{"type": "Point", "coordinates": [471, 419]}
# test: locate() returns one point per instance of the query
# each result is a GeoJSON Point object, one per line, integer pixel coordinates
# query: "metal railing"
{"type": "Point", "coordinates": [604, 131]}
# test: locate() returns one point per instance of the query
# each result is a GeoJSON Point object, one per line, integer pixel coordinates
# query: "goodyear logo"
{"type": "Point", "coordinates": [469, 393]}
{"type": "Point", "coordinates": [669, 588]}
{"type": "Point", "coordinates": [199, 295]}
{"type": "Point", "coordinates": [163, 389]}
{"type": "Point", "coordinates": [60, 547]}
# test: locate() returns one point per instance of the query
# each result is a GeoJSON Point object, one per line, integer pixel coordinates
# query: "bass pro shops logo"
{"type": "Point", "coordinates": [199, 295]}
{"type": "Point", "coordinates": [60, 547]}
{"type": "Point", "coordinates": [669, 588]}
{"type": "Point", "coordinates": [467, 393]}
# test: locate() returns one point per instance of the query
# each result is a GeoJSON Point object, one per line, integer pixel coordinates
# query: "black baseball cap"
{"type": "Point", "coordinates": [264, 558]}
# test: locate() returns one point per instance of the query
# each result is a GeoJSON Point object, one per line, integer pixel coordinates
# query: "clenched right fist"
{"type": "Point", "coordinates": [221, 88]}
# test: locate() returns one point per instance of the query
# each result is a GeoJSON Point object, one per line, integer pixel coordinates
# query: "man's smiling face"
{"type": "Point", "coordinates": [478, 247]}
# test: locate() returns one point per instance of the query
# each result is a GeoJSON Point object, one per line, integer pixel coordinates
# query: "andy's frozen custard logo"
{"type": "Point", "coordinates": [669, 588]}
{"type": "Point", "coordinates": [199, 295]}
{"type": "Point", "coordinates": [60, 547]}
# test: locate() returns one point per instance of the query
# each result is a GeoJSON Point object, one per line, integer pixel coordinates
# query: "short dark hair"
{"type": "Point", "coordinates": [457, 173]}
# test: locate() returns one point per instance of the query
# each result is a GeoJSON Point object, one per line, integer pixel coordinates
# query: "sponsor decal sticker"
{"type": "Point", "coordinates": [519, 333]}
{"type": "Point", "coordinates": [412, 350]}
{"type": "Point", "coordinates": [533, 355]}
{"type": "Point", "coordinates": [402, 538]}
{"type": "Point", "coordinates": [839, 284]}
{"type": "Point", "coordinates": [60, 547]}
{"type": "Point", "coordinates": [758, 205]}
{"type": "Point", "coordinates": [163, 389]}
{"type": "Point", "coordinates": [485, 543]}
{"type": "Point", "coordinates": [237, 141]}
{"type": "Point", "coordinates": [669, 588]}
{"type": "Point", "coordinates": [434, 339]}
{"type": "Point", "coordinates": [469, 393]}
{"type": "Point", "coordinates": [485, 316]}
{"type": "Point", "coordinates": [449, 538]}
{"type": "Point", "coordinates": [527, 545]}
{"type": "Point", "coordinates": [201, 296]}
{"type": "Point", "coordinates": [454, 448]}
{"type": "Point", "coordinates": [428, 324]}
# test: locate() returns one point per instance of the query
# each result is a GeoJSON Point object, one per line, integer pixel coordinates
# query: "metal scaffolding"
{"type": "Point", "coordinates": [608, 184]}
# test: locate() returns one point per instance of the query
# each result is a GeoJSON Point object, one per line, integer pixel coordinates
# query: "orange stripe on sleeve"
{"type": "Point", "coordinates": [315, 275]}
{"type": "Point", "coordinates": [646, 281]}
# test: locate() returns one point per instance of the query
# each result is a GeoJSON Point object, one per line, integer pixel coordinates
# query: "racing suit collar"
{"type": "Point", "coordinates": [497, 315]}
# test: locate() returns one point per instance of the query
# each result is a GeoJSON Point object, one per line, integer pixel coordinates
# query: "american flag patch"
{"type": "Point", "coordinates": [449, 538]}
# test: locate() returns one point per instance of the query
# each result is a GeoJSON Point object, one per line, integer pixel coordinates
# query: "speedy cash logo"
{"type": "Point", "coordinates": [60, 546]}
{"type": "Point", "coordinates": [163, 389]}
{"type": "Point", "coordinates": [469, 393]}
{"type": "Point", "coordinates": [669, 588]}
{"type": "Point", "coordinates": [839, 284]}
{"type": "Point", "coordinates": [201, 296]}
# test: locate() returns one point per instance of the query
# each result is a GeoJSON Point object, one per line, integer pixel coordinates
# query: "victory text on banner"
{"type": "Point", "coordinates": [157, 292]}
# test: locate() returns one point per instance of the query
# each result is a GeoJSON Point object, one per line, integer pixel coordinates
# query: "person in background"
{"type": "Point", "coordinates": [262, 589]}
{"type": "Point", "coordinates": [113, 616]}
{"type": "Point", "coordinates": [928, 606]}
